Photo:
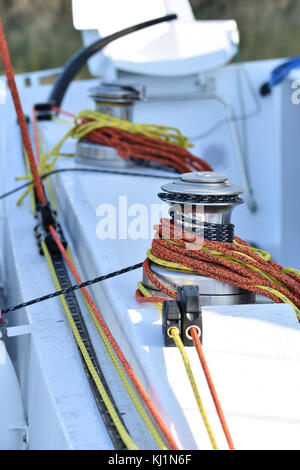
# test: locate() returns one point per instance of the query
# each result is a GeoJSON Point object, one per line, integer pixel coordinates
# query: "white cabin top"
{"type": "Point", "coordinates": [185, 46]}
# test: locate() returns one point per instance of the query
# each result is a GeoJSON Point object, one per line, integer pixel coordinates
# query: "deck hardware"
{"type": "Point", "coordinates": [44, 111]}
{"type": "Point", "coordinates": [114, 99]}
{"type": "Point", "coordinates": [183, 314]}
{"type": "Point", "coordinates": [201, 203]}
{"type": "Point", "coordinates": [191, 312]}
{"type": "Point", "coordinates": [47, 216]}
{"type": "Point", "coordinates": [117, 98]}
{"type": "Point", "coordinates": [171, 318]}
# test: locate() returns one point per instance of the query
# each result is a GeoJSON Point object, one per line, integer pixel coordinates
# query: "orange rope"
{"type": "Point", "coordinates": [139, 387]}
{"type": "Point", "coordinates": [146, 148]}
{"type": "Point", "coordinates": [4, 53]}
{"type": "Point", "coordinates": [208, 264]}
{"type": "Point", "coordinates": [234, 263]}
{"type": "Point", "coordinates": [197, 344]}
{"type": "Point", "coordinates": [36, 135]}
{"type": "Point", "coordinates": [42, 199]}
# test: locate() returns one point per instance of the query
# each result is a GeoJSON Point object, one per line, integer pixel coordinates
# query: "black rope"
{"type": "Point", "coordinates": [218, 232]}
{"type": "Point", "coordinates": [23, 186]}
{"type": "Point", "coordinates": [91, 170]}
{"type": "Point", "coordinates": [209, 231]}
{"type": "Point", "coordinates": [72, 288]}
{"type": "Point", "coordinates": [74, 308]}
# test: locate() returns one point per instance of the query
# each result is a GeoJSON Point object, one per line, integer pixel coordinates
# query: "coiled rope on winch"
{"type": "Point", "coordinates": [146, 142]}
{"type": "Point", "coordinates": [88, 120]}
{"type": "Point", "coordinates": [237, 263]}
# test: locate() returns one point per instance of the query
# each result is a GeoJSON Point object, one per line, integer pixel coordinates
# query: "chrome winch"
{"type": "Point", "coordinates": [201, 203]}
{"type": "Point", "coordinates": [117, 99]}
{"type": "Point", "coordinates": [114, 99]}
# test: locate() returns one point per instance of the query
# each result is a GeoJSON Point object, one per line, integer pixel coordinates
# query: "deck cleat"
{"type": "Point", "coordinates": [184, 313]}
{"type": "Point", "coordinates": [201, 203]}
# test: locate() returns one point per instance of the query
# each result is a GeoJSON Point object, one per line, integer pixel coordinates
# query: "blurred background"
{"type": "Point", "coordinates": [40, 33]}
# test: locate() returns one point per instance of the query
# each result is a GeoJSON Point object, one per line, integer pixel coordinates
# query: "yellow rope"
{"type": "Point", "coordinates": [30, 188]}
{"type": "Point", "coordinates": [126, 438]}
{"type": "Point", "coordinates": [265, 255]}
{"type": "Point", "coordinates": [122, 431]}
{"type": "Point", "coordinates": [140, 409]}
{"type": "Point", "coordinates": [282, 297]}
{"type": "Point", "coordinates": [175, 335]}
{"type": "Point", "coordinates": [291, 270]}
{"type": "Point", "coordinates": [145, 293]}
{"type": "Point", "coordinates": [97, 120]}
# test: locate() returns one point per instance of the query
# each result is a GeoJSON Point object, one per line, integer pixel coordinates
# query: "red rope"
{"type": "Point", "coordinates": [42, 199]}
{"type": "Point", "coordinates": [146, 148]}
{"type": "Point", "coordinates": [36, 135]}
{"type": "Point", "coordinates": [208, 264]}
{"type": "Point", "coordinates": [131, 374]}
{"type": "Point", "coordinates": [4, 53]}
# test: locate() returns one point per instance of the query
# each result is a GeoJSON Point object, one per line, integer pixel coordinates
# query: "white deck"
{"type": "Point", "coordinates": [253, 351]}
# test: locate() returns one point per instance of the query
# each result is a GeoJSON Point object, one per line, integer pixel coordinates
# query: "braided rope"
{"type": "Point", "coordinates": [146, 142]}
{"type": "Point", "coordinates": [237, 264]}
{"type": "Point", "coordinates": [4, 53]}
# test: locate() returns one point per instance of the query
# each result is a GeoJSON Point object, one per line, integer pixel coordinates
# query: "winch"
{"type": "Point", "coordinates": [114, 99]}
{"type": "Point", "coordinates": [201, 203]}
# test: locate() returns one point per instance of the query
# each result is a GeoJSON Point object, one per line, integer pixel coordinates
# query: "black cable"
{"type": "Point", "coordinates": [110, 171]}
{"type": "Point", "coordinates": [92, 170]}
{"type": "Point", "coordinates": [72, 288]}
{"type": "Point", "coordinates": [75, 64]}
{"type": "Point", "coordinates": [23, 186]}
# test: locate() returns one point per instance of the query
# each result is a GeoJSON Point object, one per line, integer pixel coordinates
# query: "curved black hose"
{"type": "Point", "coordinates": [78, 60]}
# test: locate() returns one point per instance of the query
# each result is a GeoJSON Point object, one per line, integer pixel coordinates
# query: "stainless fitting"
{"type": "Point", "coordinates": [115, 99]}
{"type": "Point", "coordinates": [201, 198]}
{"type": "Point", "coordinates": [202, 203]}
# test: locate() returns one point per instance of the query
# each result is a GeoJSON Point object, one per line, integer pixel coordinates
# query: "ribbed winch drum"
{"type": "Point", "coordinates": [117, 99]}
{"type": "Point", "coordinates": [202, 203]}
{"type": "Point", "coordinates": [114, 99]}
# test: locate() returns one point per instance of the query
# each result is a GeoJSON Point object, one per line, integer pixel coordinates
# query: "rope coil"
{"type": "Point", "coordinates": [146, 142]}
{"type": "Point", "coordinates": [237, 264]}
